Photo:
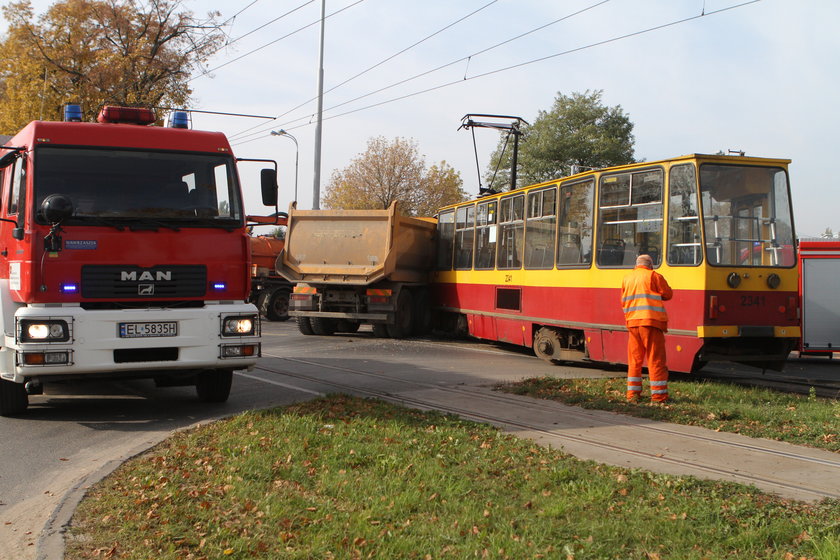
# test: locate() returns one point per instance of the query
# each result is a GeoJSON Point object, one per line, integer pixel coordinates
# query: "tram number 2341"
{"type": "Point", "coordinates": [750, 301]}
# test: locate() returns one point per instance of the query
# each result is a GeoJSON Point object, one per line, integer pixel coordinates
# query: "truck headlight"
{"type": "Point", "coordinates": [36, 330]}
{"type": "Point", "coordinates": [243, 325]}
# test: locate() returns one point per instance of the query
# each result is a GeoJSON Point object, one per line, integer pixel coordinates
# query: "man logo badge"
{"type": "Point", "coordinates": [145, 289]}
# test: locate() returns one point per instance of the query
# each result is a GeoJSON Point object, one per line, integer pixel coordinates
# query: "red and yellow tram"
{"type": "Point", "coordinates": [541, 266]}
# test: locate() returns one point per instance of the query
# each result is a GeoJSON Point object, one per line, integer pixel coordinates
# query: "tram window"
{"type": "Point", "coordinates": [540, 227]}
{"type": "Point", "coordinates": [446, 235]}
{"type": "Point", "coordinates": [630, 217]}
{"type": "Point", "coordinates": [485, 235]}
{"type": "Point", "coordinates": [747, 216]}
{"type": "Point", "coordinates": [464, 231]}
{"type": "Point", "coordinates": [574, 223]}
{"type": "Point", "coordinates": [511, 230]}
{"type": "Point", "coordinates": [684, 245]}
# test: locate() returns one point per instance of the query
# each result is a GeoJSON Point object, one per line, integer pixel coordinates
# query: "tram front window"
{"type": "Point", "coordinates": [747, 216]}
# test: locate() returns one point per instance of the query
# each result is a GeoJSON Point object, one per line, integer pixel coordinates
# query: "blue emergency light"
{"type": "Point", "coordinates": [73, 113]}
{"type": "Point", "coordinates": [179, 119]}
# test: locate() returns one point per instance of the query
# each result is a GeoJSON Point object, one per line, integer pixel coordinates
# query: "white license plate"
{"type": "Point", "coordinates": [142, 330]}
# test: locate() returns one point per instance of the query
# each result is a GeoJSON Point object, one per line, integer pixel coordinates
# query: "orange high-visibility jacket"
{"type": "Point", "coordinates": [642, 294]}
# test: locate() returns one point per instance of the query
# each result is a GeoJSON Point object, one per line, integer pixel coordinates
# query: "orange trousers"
{"type": "Point", "coordinates": [647, 342]}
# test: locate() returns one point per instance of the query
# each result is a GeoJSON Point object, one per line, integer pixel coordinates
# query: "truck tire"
{"type": "Point", "coordinates": [213, 385]}
{"type": "Point", "coordinates": [274, 304]}
{"type": "Point", "coordinates": [422, 313]}
{"type": "Point", "coordinates": [321, 326]}
{"type": "Point", "coordinates": [305, 326]}
{"type": "Point", "coordinates": [403, 316]}
{"type": "Point", "coordinates": [13, 399]}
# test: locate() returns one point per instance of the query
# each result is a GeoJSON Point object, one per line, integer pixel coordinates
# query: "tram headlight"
{"type": "Point", "coordinates": [773, 281]}
{"type": "Point", "coordinates": [734, 280]}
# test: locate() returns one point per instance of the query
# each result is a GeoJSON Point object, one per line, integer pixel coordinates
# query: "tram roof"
{"type": "Point", "coordinates": [704, 158]}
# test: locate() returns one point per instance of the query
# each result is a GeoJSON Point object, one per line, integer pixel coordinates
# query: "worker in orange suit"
{"type": "Point", "coordinates": [643, 292]}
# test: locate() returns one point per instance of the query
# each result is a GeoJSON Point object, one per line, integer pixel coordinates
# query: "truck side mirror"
{"type": "Point", "coordinates": [268, 184]}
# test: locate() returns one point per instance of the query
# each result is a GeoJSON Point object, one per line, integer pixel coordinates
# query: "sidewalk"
{"type": "Point", "coordinates": [791, 471]}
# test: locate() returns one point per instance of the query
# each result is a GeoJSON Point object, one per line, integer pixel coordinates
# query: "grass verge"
{"type": "Point", "coordinates": [342, 477]}
{"type": "Point", "coordinates": [755, 412]}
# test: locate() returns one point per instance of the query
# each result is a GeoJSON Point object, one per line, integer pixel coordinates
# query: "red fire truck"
{"type": "Point", "coordinates": [819, 268]}
{"type": "Point", "coordinates": [123, 253]}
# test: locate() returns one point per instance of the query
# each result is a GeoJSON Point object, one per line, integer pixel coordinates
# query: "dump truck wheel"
{"type": "Point", "coordinates": [422, 313]}
{"type": "Point", "coordinates": [213, 385]}
{"type": "Point", "coordinates": [305, 326]}
{"type": "Point", "coordinates": [13, 399]}
{"type": "Point", "coordinates": [403, 316]}
{"type": "Point", "coordinates": [274, 304]}
{"type": "Point", "coordinates": [321, 326]}
{"type": "Point", "coordinates": [380, 330]}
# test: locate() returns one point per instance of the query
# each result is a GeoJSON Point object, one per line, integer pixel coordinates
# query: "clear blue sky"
{"type": "Point", "coordinates": [761, 78]}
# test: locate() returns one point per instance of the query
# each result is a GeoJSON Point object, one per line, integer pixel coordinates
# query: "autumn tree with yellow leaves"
{"type": "Point", "coordinates": [93, 52]}
{"type": "Point", "coordinates": [391, 171]}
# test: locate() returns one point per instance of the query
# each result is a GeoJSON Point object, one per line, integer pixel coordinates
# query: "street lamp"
{"type": "Point", "coordinates": [282, 132]}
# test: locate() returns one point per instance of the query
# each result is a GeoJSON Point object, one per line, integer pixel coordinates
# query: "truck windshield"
{"type": "Point", "coordinates": [110, 185]}
{"type": "Point", "coordinates": [747, 216]}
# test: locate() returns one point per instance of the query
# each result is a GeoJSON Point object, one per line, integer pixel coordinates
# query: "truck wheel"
{"type": "Point", "coordinates": [213, 385]}
{"type": "Point", "coordinates": [13, 399]}
{"type": "Point", "coordinates": [274, 304]}
{"type": "Point", "coordinates": [305, 326]}
{"type": "Point", "coordinates": [422, 313]}
{"type": "Point", "coordinates": [321, 326]}
{"type": "Point", "coordinates": [403, 316]}
{"type": "Point", "coordinates": [380, 330]}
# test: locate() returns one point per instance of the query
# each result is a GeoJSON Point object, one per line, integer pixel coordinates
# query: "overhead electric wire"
{"type": "Point", "coordinates": [514, 66]}
{"type": "Point", "coordinates": [233, 17]}
{"type": "Point", "coordinates": [266, 24]}
{"type": "Point", "coordinates": [298, 30]}
{"type": "Point", "coordinates": [380, 63]}
{"type": "Point", "coordinates": [239, 135]}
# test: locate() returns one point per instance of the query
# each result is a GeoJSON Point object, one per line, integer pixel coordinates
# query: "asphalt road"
{"type": "Point", "coordinates": [76, 434]}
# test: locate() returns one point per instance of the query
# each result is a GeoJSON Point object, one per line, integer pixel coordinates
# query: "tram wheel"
{"type": "Point", "coordinates": [547, 344]}
{"type": "Point", "coordinates": [380, 330]}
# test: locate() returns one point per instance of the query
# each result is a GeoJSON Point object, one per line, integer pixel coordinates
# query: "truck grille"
{"type": "Point", "coordinates": [134, 282]}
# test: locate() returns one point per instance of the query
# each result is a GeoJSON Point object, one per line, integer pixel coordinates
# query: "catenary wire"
{"type": "Point", "coordinates": [298, 30]}
{"type": "Point", "coordinates": [241, 135]}
{"type": "Point", "coordinates": [289, 126]}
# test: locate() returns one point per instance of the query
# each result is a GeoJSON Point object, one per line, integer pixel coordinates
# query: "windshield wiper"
{"type": "Point", "coordinates": [97, 220]}
{"type": "Point", "coordinates": [152, 225]}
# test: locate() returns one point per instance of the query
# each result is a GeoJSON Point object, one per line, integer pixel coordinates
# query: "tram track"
{"type": "Point", "coordinates": [483, 405]}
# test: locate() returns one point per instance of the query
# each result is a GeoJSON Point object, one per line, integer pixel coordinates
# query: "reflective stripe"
{"type": "Point", "coordinates": [640, 296]}
{"type": "Point", "coordinates": [659, 383]}
{"type": "Point", "coordinates": [639, 379]}
{"type": "Point", "coordinates": [659, 392]}
{"type": "Point", "coordinates": [660, 308]}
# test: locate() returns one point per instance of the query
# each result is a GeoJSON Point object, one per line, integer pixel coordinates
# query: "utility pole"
{"type": "Point", "coordinates": [316, 184]}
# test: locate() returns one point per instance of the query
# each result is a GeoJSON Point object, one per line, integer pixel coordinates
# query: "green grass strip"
{"type": "Point", "coordinates": [755, 412]}
{"type": "Point", "coordinates": [346, 478]}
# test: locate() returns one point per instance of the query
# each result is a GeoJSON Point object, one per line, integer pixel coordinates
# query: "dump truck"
{"type": "Point", "coordinates": [353, 267]}
{"type": "Point", "coordinates": [269, 291]}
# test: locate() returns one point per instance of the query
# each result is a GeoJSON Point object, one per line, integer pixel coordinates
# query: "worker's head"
{"type": "Point", "coordinates": [644, 260]}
